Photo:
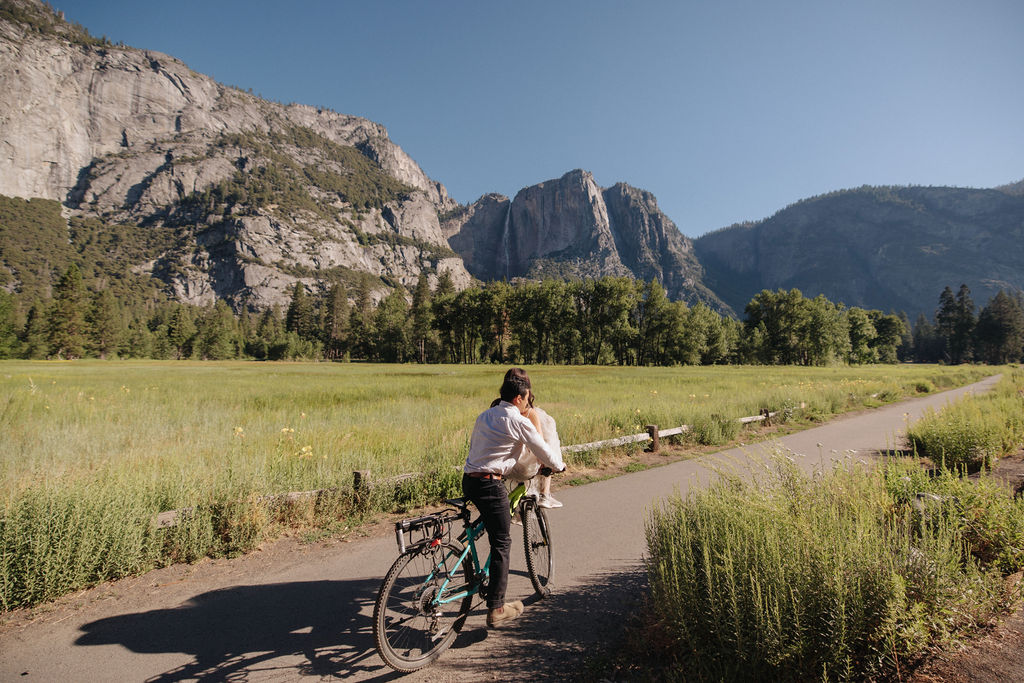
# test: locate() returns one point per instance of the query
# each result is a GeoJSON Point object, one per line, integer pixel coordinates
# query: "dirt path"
{"type": "Point", "coordinates": [294, 612]}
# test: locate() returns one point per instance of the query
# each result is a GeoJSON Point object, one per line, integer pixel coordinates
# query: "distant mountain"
{"type": "Point", "coordinates": [890, 248]}
{"type": "Point", "coordinates": [572, 228]}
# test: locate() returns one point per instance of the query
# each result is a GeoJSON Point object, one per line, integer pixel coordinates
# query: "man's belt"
{"type": "Point", "coordinates": [483, 475]}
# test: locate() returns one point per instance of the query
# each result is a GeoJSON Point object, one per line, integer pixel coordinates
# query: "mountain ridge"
{"type": "Point", "coordinates": [886, 247]}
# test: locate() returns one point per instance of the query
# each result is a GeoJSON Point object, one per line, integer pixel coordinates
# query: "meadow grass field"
{"type": "Point", "coordinates": [93, 450]}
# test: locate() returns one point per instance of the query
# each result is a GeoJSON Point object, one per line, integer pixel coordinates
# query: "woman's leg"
{"type": "Point", "coordinates": [546, 500]}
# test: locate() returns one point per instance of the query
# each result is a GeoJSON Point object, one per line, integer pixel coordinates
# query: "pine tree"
{"type": "Point", "coordinates": [961, 343]}
{"type": "Point", "coordinates": [269, 342]}
{"type": "Point", "coordinates": [106, 325]}
{"type": "Point", "coordinates": [67, 328]}
{"type": "Point", "coordinates": [300, 317]}
{"type": "Point", "coordinates": [391, 323]}
{"type": "Point", "coordinates": [217, 333]}
{"type": "Point", "coordinates": [139, 340]}
{"type": "Point", "coordinates": [422, 316]}
{"type": "Point", "coordinates": [946, 321]}
{"type": "Point", "coordinates": [336, 322]}
{"type": "Point", "coordinates": [34, 344]}
{"type": "Point", "coordinates": [361, 324]}
{"type": "Point", "coordinates": [445, 285]}
{"type": "Point", "coordinates": [8, 327]}
{"type": "Point", "coordinates": [929, 344]}
{"type": "Point", "coordinates": [181, 332]}
{"type": "Point", "coordinates": [1000, 330]}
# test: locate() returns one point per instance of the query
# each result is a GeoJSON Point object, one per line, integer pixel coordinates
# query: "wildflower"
{"type": "Point", "coordinates": [125, 389]}
{"type": "Point", "coordinates": [287, 430]}
{"type": "Point", "coordinates": [92, 398]}
{"type": "Point", "coordinates": [302, 415]}
{"type": "Point", "coordinates": [305, 452]}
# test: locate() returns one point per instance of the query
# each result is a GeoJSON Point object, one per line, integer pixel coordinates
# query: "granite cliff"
{"type": "Point", "coordinates": [260, 194]}
{"type": "Point", "coordinates": [571, 227]}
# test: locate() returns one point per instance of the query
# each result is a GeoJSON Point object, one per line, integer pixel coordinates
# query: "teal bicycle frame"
{"type": "Point", "coordinates": [481, 572]}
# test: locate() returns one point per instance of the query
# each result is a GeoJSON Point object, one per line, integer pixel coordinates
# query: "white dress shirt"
{"type": "Point", "coordinates": [498, 439]}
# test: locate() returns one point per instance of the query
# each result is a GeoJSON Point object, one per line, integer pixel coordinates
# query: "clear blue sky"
{"type": "Point", "coordinates": [727, 111]}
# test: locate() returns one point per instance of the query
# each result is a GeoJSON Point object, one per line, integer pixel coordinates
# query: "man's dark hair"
{"type": "Point", "coordinates": [512, 387]}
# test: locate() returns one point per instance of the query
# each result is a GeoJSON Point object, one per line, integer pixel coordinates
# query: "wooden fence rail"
{"type": "Point", "coordinates": [361, 479]}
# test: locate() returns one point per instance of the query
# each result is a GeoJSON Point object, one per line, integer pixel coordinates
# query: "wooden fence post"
{"type": "Point", "coordinates": [655, 441]}
{"type": "Point", "coordinates": [360, 484]}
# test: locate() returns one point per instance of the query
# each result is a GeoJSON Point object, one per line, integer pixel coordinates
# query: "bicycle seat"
{"type": "Point", "coordinates": [460, 503]}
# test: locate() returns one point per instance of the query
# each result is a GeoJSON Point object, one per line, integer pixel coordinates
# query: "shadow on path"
{"type": "Point", "coordinates": [245, 628]}
{"type": "Point", "coordinates": [572, 635]}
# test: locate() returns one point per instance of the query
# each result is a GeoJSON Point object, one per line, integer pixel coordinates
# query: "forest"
{"type": "Point", "coordinates": [606, 321]}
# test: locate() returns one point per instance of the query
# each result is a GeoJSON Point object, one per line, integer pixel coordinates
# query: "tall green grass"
{"type": "Point", "coordinates": [838, 577]}
{"type": "Point", "coordinates": [91, 451]}
{"type": "Point", "coordinates": [976, 430]}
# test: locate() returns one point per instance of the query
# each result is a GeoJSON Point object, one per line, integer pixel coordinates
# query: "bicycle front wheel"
{"type": "Point", "coordinates": [540, 560]}
{"type": "Point", "coordinates": [414, 620]}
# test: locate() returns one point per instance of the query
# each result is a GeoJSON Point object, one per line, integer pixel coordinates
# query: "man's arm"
{"type": "Point", "coordinates": [547, 454]}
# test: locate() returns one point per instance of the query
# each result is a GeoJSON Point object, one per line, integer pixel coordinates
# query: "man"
{"type": "Point", "coordinates": [499, 435]}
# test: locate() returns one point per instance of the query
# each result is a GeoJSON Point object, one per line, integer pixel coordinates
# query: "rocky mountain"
{"type": "Point", "coordinates": [206, 192]}
{"type": "Point", "coordinates": [571, 227]}
{"type": "Point", "coordinates": [258, 194]}
{"type": "Point", "coordinates": [890, 248]}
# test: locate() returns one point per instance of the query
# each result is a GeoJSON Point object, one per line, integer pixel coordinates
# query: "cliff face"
{"type": "Point", "coordinates": [884, 248]}
{"type": "Point", "coordinates": [571, 227]}
{"type": "Point", "coordinates": [134, 136]}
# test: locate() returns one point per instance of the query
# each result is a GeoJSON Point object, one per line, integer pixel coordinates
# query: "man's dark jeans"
{"type": "Point", "coordinates": [491, 499]}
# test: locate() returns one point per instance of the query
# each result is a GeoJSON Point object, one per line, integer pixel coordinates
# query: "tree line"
{"type": "Point", "coordinates": [611, 320]}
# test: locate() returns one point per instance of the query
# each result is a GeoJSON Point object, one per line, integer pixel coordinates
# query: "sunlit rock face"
{"type": "Point", "coordinates": [571, 227]}
{"type": "Point", "coordinates": [134, 136]}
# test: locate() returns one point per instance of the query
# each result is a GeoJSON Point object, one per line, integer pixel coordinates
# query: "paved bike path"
{"type": "Point", "coordinates": [306, 615]}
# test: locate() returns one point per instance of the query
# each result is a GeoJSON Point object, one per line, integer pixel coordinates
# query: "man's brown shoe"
{"type": "Point", "coordinates": [505, 613]}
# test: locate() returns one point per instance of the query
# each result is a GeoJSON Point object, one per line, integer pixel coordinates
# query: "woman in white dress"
{"type": "Point", "coordinates": [527, 469]}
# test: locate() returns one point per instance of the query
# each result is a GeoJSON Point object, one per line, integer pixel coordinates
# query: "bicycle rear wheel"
{"type": "Point", "coordinates": [411, 628]}
{"type": "Point", "coordinates": [540, 559]}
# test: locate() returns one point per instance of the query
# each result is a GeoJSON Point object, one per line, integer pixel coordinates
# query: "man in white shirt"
{"type": "Point", "coordinates": [499, 435]}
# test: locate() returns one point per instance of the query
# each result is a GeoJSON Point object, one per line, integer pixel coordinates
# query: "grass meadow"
{"type": "Point", "coordinates": [91, 451]}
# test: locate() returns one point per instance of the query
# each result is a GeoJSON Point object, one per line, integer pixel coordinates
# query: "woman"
{"type": "Point", "coordinates": [527, 469]}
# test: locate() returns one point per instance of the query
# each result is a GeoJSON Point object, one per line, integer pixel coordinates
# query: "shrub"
{"type": "Point", "coordinates": [714, 430]}
{"type": "Point", "coordinates": [973, 432]}
{"type": "Point", "coordinates": [829, 578]}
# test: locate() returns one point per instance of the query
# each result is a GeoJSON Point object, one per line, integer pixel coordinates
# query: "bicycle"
{"type": "Point", "coordinates": [427, 594]}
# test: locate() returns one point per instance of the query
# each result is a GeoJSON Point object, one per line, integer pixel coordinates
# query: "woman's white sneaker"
{"type": "Point", "coordinates": [548, 501]}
